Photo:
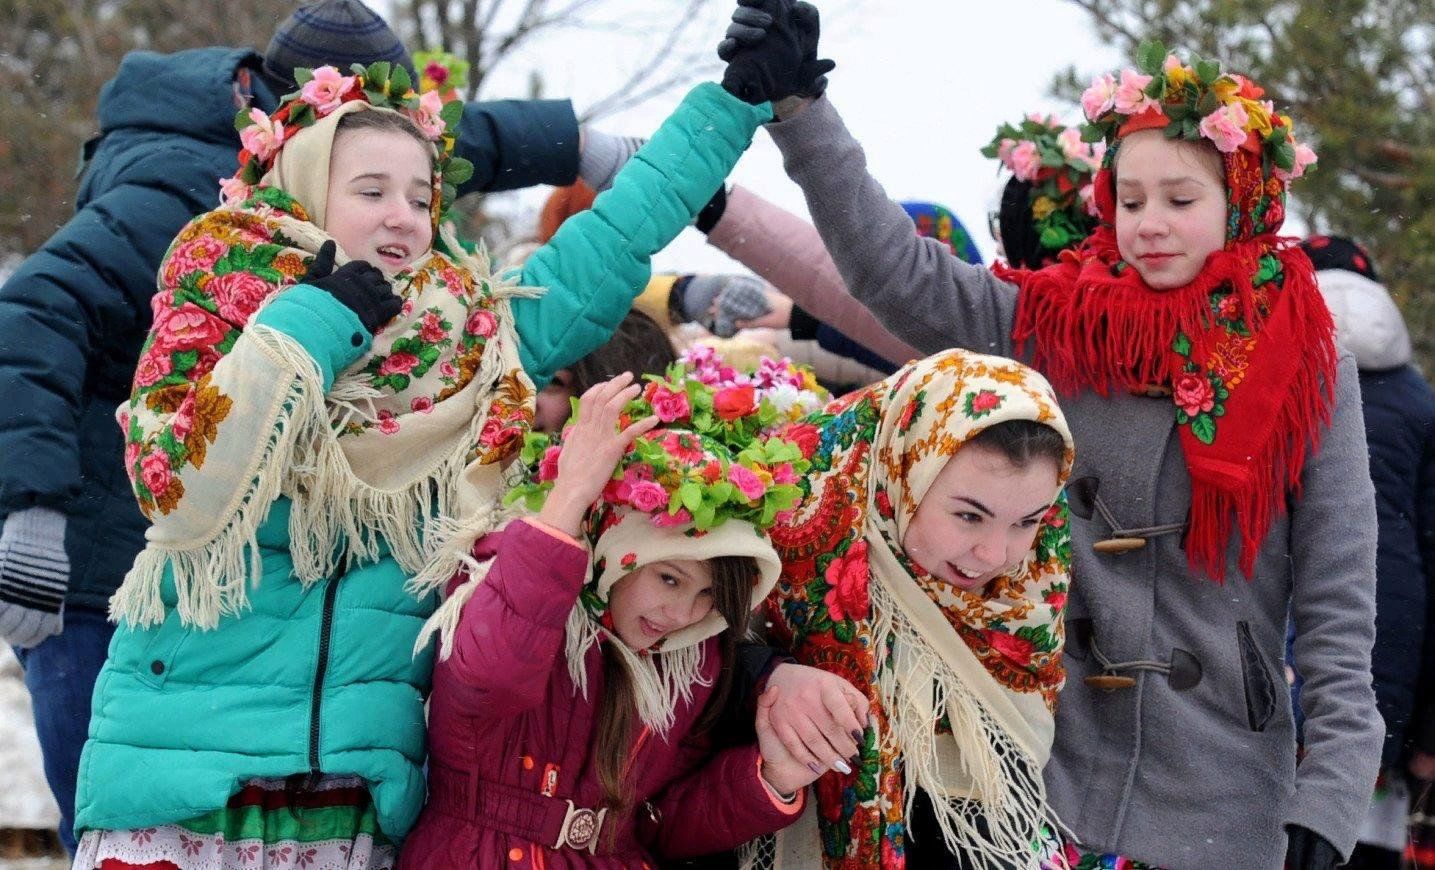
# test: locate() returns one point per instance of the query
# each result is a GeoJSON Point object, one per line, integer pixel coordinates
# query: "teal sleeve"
{"type": "Point", "coordinates": [601, 259]}
{"type": "Point", "coordinates": [325, 327]}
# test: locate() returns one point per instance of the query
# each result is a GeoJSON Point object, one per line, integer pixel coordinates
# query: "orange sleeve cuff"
{"type": "Point", "coordinates": [552, 532]}
{"type": "Point", "coordinates": [792, 807]}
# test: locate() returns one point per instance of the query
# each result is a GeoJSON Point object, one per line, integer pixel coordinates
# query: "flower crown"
{"type": "Point", "coordinates": [1194, 102]}
{"type": "Point", "coordinates": [321, 92]}
{"type": "Point", "coordinates": [715, 458]}
{"type": "Point", "coordinates": [1060, 166]}
{"type": "Point", "coordinates": [789, 388]}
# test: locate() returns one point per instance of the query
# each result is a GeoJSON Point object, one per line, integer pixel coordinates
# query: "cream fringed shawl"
{"type": "Point", "coordinates": [226, 415]}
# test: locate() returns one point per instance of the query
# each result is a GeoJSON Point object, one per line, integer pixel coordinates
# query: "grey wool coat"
{"type": "Point", "coordinates": [1195, 768]}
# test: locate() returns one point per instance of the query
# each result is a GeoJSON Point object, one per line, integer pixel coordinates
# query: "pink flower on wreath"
{"type": "Point", "coordinates": [1071, 144]}
{"type": "Point", "coordinates": [431, 328]}
{"type": "Point", "coordinates": [1193, 394]}
{"type": "Point", "coordinates": [263, 136]}
{"type": "Point", "coordinates": [195, 255]}
{"type": "Point", "coordinates": [186, 328]}
{"type": "Point", "coordinates": [1304, 157]}
{"type": "Point", "coordinates": [1130, 97]}
{"type": "Point", "coordinates": [1088, 199]}
{"type": "Point", "coordinates": [238, 294]}
{"type": "Point", "coordinates": [481, 322]}
{"type": "Point", "coordinates": [647, 496]}
{"type": "Point", "coordinates": [399, 364]}
{"type": "Point", "coordinates": [1099, 97]}
{"type": "Point", "coordinates": [548, 465]}
{"type": "Point", "coordinates": [326, 90]}
{"type": "Point", "coordinates": [1226, 127]}
{"type": "Point", "coordinates": [622, 490]}
{"type": "Point", "coordinates": [847, 575]}
{"type": "Point", "coordinates": [669, 405]}
{"type": "Point", "coordinates": [746, 481]}
{"type": "Point", "coordinates": [182, 423]}
{"type": "Point", "coordinates": [387, 422]}
{"type": "Point", "coordinates": [421, 404]}
{"type": "Point", "coordinates": [665, 520]}
{"type": "Point", "coordinates": [784, 474]}
{"type": "Point", "coordinates": [153, 367]}
{"type": "Point", "coordinates": [1025, 161]}
{"type": "Point", "coordinates": [683, 446]}
{"type": "Point", "coordinates": [156, 473]}
{"type": "Point", "coordinates": [1004, 148]}
{"type": "Point", "coordinates": [427, 116]}
{"type": "Point", "coordinates": [233, 191]}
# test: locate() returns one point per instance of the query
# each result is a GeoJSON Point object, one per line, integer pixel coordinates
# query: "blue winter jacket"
{"type": "Point", "coordinates": [74, 314]}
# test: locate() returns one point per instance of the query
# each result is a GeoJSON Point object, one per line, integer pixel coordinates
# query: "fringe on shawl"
{"type": "Point", "coordinates": [1011, 797]}
{"type": "Point", "coordinates": [211, 579]}
{"type": "Point", "coordinates": [330, 505]}
{"type": "Point", "coordinates": [660, 679]}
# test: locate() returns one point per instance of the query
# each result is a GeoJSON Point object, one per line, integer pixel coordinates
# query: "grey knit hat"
{"type": "Point", "coordinates": [336, 32]}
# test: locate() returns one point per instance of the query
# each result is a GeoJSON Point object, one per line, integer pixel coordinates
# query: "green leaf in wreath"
{"type": "Point", "coordinates": [1150, 55]}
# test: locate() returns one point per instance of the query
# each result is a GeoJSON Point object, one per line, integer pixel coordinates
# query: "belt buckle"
{"type": "Point", "coordinates": [581, 827]}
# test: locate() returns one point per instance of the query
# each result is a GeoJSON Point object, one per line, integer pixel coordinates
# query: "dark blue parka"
{"type": "Point", "coordinates": [74, 314]}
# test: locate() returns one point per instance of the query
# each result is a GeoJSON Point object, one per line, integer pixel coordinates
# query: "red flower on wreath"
{"type": "Point", "coordinates": [732, 403]}
{"type": "Point", "coordinates": [1193, 393]}
{"type": "Point", "coordinates": [847, 575]}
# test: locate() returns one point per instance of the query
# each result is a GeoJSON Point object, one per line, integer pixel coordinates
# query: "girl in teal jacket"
{"type": "Point", "coordinates": [312, 477]}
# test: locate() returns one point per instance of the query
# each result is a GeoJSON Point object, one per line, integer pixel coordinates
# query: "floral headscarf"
{"type": "Point", "coordinates": [963, 683]}
{"type": "Point", "coordinates": [402, 451]}
{"type": "Point", "coordinates": [1247, 349]}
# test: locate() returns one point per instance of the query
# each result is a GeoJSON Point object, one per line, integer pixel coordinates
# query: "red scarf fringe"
{"type": "Point", "coordinates": [1092, 327]}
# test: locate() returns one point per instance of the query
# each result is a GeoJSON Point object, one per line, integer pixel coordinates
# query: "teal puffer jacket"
{"type": "Point", "coordinates": [323, 678]}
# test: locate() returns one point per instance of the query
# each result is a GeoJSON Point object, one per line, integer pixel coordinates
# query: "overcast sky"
{"type": "Point", "coordinates": [922, 84]}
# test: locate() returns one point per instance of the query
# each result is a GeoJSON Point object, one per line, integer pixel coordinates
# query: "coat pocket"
{"type": "Point", "coordinates": [1260, 683]}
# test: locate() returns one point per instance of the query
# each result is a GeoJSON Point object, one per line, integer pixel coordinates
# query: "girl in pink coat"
{"type": "Point", "coordinates": [586, 651]}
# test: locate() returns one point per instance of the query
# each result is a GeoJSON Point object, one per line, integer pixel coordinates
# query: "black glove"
{"type": "Point", "coordinates": [771, 50]}
{"type": "Point", "coordinates": [361, 288]}
{"type": "Point", "coordinates": [1308, 850]}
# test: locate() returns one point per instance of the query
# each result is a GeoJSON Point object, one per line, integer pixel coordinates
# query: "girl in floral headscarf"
{"type": "Point", "coordinates": [927, 564]}
{"type": "Point", "coordinates": [1220, 442]}
{"type": "Point", "coordinates": [318, 430]}
{"type": "Point", "coordinates": [594, 645]}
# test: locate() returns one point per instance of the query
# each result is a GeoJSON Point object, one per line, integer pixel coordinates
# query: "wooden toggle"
{"type": "Point", "coordinates": [1118, 545]}
{"type": "Point", "coordinates": [1109, 682]}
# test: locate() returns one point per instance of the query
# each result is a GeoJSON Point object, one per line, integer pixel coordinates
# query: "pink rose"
{"type": "Point", "coordinates": [431, 328]}
{"type": "Point", "coordinates": [448, 369]}
{"type": "Point", "coordinates": [427, 116]}
{"type": "Point", "coordinates": [622, 490]}
{"type": "Point", "coordinates": [155, 472]}
{"type": "Point", "coordinates": [985, 401]}
{"type": "Point", "coordinates": [1099, 97]}
{"type": "Point", "coordinates": [263, 136]}
{"type": "Point", "coordinates": [1226, 127]}
{"type": "Point", "coordinates": [399, 364]}
{"type": "Point", "coordinates": [238, 294]}
{"type": "Point", "coordinates": [1088, 199]}
{"type": "Point", "coordinates": [421, 404]}
{"type": "Point", "coordinates": [1004, 148]}
{"type": "Point", "coordinates": [548, 465]}
{"type": "Point", "coordinates": [153, 368]}
{"type": "Point", "coordinates": [1304, 157]}
{"type": "Point", "coordinates": [746, 481]}
{"type": "Point", "coordinates": [668, 404]}
{"type": "Point", "coordinates": [784, 474]}
{"type": "Point", "coordinates": [1025, 161]}
{"type": "Point", "coordinates": [1056, 600]}
{"type": "Point", "coordinates": [132, 455]}
{"type": "Point", "coordinates": [1071, 144]}
{"type": "Point", "coordinates": [481, 323]}
{"type": "Point", "coordinates": [387, 423]}
{"type": "Point", "coordinates": [1130, 98]}
{"type": "Point", "coordinates": [1193, 393]}
{"type": "Point", "coordinates": [182, 423]}
{"type": "Point", "coordinates": [195, 255]}
{"type": "Point", "coordinates": [665, 520]}
{"type": "Point", "coordinates": [187, 327]}
{"type": "Point", "coordinates": [847, 575]}
{"type": "Point", "coordinates": [325, 92]}
{"type": "Point", "coordinates": [647, 496]}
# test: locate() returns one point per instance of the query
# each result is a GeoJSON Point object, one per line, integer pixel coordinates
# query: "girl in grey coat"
{"type": "Point", "coordinates": [1174, 740]}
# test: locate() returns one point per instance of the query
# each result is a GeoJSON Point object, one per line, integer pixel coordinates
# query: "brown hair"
{"type": "Point", "coordinates": [1022, 442]}
{"type": "Point", "coordinates": [385, 122]}
{"type": "Point", "coordinates": [1201, 153]}
{"type": "Point", "coordinates": [639, 345]}
{"type": "Point", "coordinates": [733, 579]}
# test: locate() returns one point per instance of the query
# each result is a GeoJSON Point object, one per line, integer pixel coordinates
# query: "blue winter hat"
{"type": "Point", "coordinates": [334, 33]}
{"type": "Point", "coordinates": [935, 221]}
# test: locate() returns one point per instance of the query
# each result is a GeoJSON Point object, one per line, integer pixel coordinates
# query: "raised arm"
{"type": "Point", "coordinates": [518, 143]}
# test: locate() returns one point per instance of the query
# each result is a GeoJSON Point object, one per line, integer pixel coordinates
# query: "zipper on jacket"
{"type": "Point", "coordinates": [321, 667]}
